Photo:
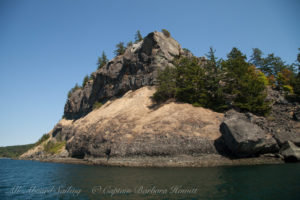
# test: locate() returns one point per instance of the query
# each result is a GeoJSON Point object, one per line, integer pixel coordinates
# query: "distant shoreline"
{"type": "Point", "coordinates": [209, 160]}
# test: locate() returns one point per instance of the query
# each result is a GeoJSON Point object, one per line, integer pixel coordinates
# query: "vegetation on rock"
{"type": "Point", "coordinates": [138, 36]}
{"type": "Point", "coordinates": [97, 105]}
{"type": "Point", "coordinates": [85, 80]}
{"type": "Point", "coordinates": [102, 60]}
{"type": "Point", "coordinates": [166, 32]}
{"type": "Point", "coordinates": [120, 49]}
{"type": "Point", "coordinates": [76, 87]}
{"type": "Point", "coordinates": [54, 147]}
{"type": "Point", "coordinates": [280, 75]}
{"type": "Point", "coordinates": [42, 139]}
{"type": "Point", "coordinates": [215, 84]}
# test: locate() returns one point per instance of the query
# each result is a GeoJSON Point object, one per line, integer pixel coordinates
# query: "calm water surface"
{"type": "Point", "coordinates": [21, 179]}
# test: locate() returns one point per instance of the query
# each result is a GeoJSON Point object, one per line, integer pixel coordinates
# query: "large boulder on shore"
{"type": "Point", "coordinates": [290, 152]}
{"type": "Point", "coordinates": [245, 139]}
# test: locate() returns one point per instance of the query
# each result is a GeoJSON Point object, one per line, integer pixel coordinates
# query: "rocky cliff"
{"type": "Point", "coordinates": [129, 125]}
{"type": "Point", "coordinates": [136, 68]}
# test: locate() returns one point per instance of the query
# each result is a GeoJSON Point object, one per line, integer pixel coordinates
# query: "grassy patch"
{"type": "Point", "coordinates": [97, 105]}
{"type": "Point", "coordinates": [54, 147]}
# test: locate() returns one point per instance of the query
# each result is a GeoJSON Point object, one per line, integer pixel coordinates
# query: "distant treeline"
{"type": "Point", "coordinates": [17, 150]}
{"type": "Point", "coordinates": [14, 151]}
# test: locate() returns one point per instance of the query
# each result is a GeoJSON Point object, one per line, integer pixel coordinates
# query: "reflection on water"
{"type": "Point", "coordinates": [35, 180]}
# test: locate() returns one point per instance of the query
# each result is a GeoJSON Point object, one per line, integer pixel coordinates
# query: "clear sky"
{"type": "Point", "coordinates": [46, 46]}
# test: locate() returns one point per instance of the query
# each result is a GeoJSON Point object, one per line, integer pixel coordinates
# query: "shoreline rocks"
{"type": "Point", "coordinates": [245, 139]}
{"type": "Point", "coordinates": [290, 152]}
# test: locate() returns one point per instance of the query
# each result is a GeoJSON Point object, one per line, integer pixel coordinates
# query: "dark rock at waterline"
{"type": "Point", "coordinates": [245, 139]}
{"type": "Point", "coordinates": [290, 152]}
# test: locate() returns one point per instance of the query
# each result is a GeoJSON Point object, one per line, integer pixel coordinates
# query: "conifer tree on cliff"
{"type": "Point", "coordinates": [213, 77]}
{"type": "Point", "coordinates": [102, 60]}
{"type": "Point", "coordinates": [120, 49]}
{"type": "Point", "coordinates": [138, 37]}
{"type": "Point", "coordinates": [246, 83]}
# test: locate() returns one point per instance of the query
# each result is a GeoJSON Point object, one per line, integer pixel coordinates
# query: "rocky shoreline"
{"type": "Point", "coordinates": [208, 160]}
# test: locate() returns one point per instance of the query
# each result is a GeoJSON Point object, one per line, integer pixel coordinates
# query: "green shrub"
{"type": "Point", "coordinates": [42, 139]}
{"type": "Point", "coordinates": [288, 89]}
{"type": "Point", "coordinates": [97, 105]}
{"type": "Point", "coordinates": [76, 87]}
{"type": "Point", "coordinates": [186, 50]}
{"type": "Point", "coordinates": [54, 147]}
{"type": "Point", "coordinates": [166, 32]}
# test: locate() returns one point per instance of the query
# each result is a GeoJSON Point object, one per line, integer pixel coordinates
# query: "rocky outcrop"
{"type": "Point", "coordinates": [297, 115]}
{"type": "Point", "coordinates": [245, 139]}
{"type": "Point", "coordinates": [136, 68]}
{"type": "Point", "coordinates": [129, 126]}
{"type": "Point", "coordinates": [281, 122]}
{"type": "Point", "coordinates": [290, 152]}
{"type": "Point", "coordinates": [283, 137]}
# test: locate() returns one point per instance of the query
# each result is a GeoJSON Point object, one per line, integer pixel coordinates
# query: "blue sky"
{"type": "Point", "coordinates": [47, 46]}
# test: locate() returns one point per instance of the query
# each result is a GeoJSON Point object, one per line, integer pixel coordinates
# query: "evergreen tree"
{"type": "Point", "coordinates": [190, 82]}
{"type": "Point", "coordinates": [257, 60]}
{"type": "Point", "coordinates": [298, 62]}
{"type": "Point", "coordinates": [85, 80]}
{"type": "Point", "coordinates": [208, 83]}
{"type": "Point", "coordinates": [252, 92]}
{"type": "Point", "coordinates": [129, 44]}
{"type": "Point", "coordinates": [246, 83]}
{"type": "Point", "coordinates": [256, 57]}
{"type": "Point", "coordinates": [76, 87]}
{"type": "Point", "coordinates": [273, 64]}
{"type": "Point", "coordinates": [235, 67]}
{"type": "Point", "coordinates": [138, 36]}
{"type": "Point", "coordinates": [120, 49]}
{"type": "Point", "coordinates": [102, 60]}
{"type": "Point", "coordinates": [166, 85]}
{"type": "Point", "coordinates": [213, 77]}
{"type": "Point", "coordinates": [296, 83]}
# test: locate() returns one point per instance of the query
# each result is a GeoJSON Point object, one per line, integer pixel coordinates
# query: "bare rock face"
{"type": "Point", "coordinates": [245, 139]}
{"type": "Point", "coordinates": [136, 68]}
{"type": "Point", "coordinates": [290, 152]}
{"type": "Point", "coordinates": [129, 126]}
